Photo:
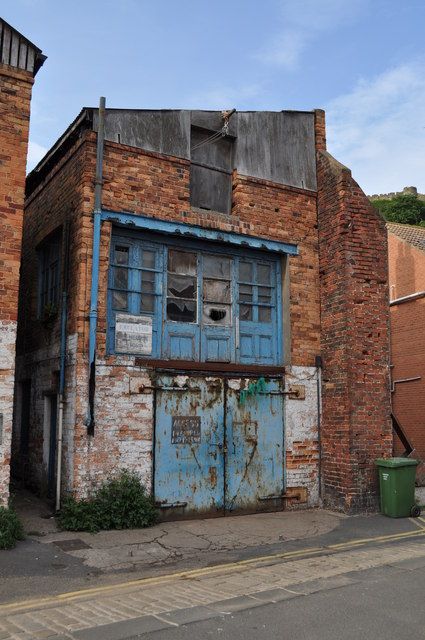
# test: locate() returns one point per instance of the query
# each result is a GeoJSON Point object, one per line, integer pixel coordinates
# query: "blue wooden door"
{"type": "Point", "coordinates": [189, 445]}
{"type": "Point", "coordinates": [216, 448]}
{"type": "Point", "coordinates": [254, 442]}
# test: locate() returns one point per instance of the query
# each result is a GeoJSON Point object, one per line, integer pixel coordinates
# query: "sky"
{"type": "Point", "coordinates": [363, 61]}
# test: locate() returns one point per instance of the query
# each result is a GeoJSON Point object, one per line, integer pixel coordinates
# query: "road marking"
{"type": "Point", "coordinates": [421, 518]}
{"type": "Point", "coordinates": [69, 596]}
{"type": "Point", "coordinates": [416, 523]}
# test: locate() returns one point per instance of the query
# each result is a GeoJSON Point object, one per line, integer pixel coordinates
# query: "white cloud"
{"type": "Point", "coordinates": [35, 153]}
{"type": "Point", "coordinates": [302, 22]}
{"type": "Point", "coordinates": [378, 129]}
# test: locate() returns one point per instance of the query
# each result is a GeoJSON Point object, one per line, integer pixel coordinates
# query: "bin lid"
{"type": "Point", "coordinates": [396, 462]}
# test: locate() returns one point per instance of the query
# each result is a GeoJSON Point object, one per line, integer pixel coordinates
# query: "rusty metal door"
{"type": "Point", "coordinates": [189, 445]}
{"type": "Point", "coordinates": [254, 438]}
{"type": "Point", "coordinates": [218, 449]}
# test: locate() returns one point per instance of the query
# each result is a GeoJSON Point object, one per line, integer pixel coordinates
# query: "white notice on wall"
{"type": "Point", "coordinates": [133, 334]}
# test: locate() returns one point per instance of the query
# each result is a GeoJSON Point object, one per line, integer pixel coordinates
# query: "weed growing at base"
{"type": "Point", "coordinates": [120, 503]}
{"type": "Point", "coordinates": [10, 528]}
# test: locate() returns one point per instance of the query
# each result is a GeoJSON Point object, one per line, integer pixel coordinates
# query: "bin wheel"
{"type": "Point", "coordinates": [415, 511]}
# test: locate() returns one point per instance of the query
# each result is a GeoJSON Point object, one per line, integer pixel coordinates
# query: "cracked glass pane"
{"type": "Point", "coordinates": [181, 286]}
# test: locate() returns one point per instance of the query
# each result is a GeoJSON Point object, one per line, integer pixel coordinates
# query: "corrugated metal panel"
{"type": "Point", "coordinates": [17, 51]}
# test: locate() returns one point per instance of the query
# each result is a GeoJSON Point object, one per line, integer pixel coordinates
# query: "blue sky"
{"type": "Point", "coordinates": [363, 61]}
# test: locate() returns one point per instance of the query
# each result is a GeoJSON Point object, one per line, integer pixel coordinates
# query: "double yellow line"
{"type": "Point", "coordinates": [13, 607]}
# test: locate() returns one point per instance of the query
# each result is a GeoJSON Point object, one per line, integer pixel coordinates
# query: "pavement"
{"type": "Point", "coordinates": [51, 561]}
{"type": "Point", "coordinates": [205, 602]}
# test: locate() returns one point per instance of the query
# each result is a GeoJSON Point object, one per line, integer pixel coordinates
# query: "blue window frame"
{"type": "Point", "coordinates": [192, 301]}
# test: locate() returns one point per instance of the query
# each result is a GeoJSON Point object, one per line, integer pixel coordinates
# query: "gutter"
{"type": "Point", "coordinates": [94, 291]}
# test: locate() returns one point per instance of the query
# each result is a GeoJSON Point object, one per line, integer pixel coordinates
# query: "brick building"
{"type": "Point", "coordinates": [211, 312]}
{"type": "Point", "coordinates": [406, 249]}
{"type": "Point", "coordinates": [19, 62]}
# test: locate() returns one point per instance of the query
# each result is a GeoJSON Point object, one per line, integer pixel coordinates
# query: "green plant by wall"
{"type": "Point", "coordinates": [120, 503]}
{"type": "Point", "coordinates": [10, 528]}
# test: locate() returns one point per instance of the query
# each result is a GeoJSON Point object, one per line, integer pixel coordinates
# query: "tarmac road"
{"type": "Point", "coordinates": [380, 604]}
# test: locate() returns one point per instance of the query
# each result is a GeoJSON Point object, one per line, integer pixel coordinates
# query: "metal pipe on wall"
{"type": "Point", "coordinates": [95, 266]}
{"type": "Point", "coordinates": [64, 311]}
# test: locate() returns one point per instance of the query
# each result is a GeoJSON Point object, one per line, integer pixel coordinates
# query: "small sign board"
{"type": "Point", "coordinates": [133, 334]}
{"type": "Point", "coordinates": [185, 430]}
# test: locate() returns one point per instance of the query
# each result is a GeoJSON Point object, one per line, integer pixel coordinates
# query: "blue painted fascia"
{"type": "Point", "coordinates": [193, 231]}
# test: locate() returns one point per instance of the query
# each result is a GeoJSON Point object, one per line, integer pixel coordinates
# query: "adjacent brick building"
{"type": "Point", "coordinates": [406, 248]}
{"type": "Point", "coordinates": [19, 62]}
{"type": "Point", "coordinates": [227, 328]}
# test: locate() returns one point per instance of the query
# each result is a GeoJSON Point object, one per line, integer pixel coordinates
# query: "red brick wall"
{"type": "Point", "coordinates": [15, 97]}
{"type": "Point", "coordinates": [407, 276]}
{"type": "Point", "coordinates": [156, 186]}
{"type": "Point", "coordinates": [356, 426]}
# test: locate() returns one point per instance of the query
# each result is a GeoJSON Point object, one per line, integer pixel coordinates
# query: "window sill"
{"type": "Point", "coordinates": [211, 367]}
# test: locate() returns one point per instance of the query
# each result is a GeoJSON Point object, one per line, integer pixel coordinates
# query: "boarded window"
{"type": "Point", "coordinates": [210, 171]}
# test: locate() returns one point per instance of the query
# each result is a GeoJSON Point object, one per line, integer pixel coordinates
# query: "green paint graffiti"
{"type": "Point", "coordinates": [253, 389]}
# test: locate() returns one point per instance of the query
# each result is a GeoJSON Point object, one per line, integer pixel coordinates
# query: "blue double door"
{"type": "Point", "coordinates": [217, 448]}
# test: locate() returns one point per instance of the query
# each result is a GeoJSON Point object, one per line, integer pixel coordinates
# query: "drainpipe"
{"type": "Point", "coordinates": [319, 366]}
{"type": "Point", "coordinates": [62, 370]}
{"type": "Point", "coordinates": [95, 267]}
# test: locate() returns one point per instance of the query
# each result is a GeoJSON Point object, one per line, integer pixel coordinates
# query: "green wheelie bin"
{"type": "Point", "coordinates": [397, 485]}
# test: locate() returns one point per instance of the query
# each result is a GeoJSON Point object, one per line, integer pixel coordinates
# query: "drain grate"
{"type": "Point", "coordinates": [75, 544]}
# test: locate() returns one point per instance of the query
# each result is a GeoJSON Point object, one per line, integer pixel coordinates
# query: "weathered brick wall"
{"type": "Point", "coordinates": [57, 202]}
{"type": "Point", "coordinates": [407, 276]}
{"type": "Point", "coordinates": [158, 186]}
{"type": "Point", "coordinates": [356, 426]}
{"type": "Point", "coordinates": [15, 97]}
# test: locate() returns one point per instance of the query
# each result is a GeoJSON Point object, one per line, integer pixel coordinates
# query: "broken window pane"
{"type": "Point", "coordinates": [245, 272]}
{"type": "Point", "coordinates": [245, 293]}
{"type": "Point", "coordinates": [182, 262]}
{"type": "Point", "coordinates": [264, 314]}
{"type": "Point", "coordinates": [217, 314]}
{"type": "Point", "coordinates": [119, 300]}
{"type": "Point", "coordinates": [181, 286]}
{"type": "Point", "coordinates": [181, 310]}
{"type": "Point", "coordinates": [263, 273]}
{"type": "Point", "coordinates": [245, 312]}
{"type": "Point", "coordinates": [120, 278]}
{"type": "Point", "coordinates": [121, 255]}
{"type": "Point", "coordinates": [216, 291]}
{"type": "Point", "coordinates": [216, 267]}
